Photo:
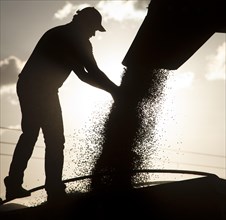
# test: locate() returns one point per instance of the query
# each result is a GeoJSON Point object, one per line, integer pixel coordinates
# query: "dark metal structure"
{"type": "Point", "coordinates": [203, 197]}
{"type": "Point", "coordinates": [173, 30]}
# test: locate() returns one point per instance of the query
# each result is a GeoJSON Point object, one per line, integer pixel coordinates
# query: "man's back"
{"type": "Point", "coordinates": [56, 54]}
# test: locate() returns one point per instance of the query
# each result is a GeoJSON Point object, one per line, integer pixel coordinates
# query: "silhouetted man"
{"type": "Point", "coordinates": [61, 50]}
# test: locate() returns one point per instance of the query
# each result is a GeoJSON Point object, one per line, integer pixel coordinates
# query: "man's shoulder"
{"type": "Point", "coordinates": [55, 34]}
{"type": "Point", "coordinates": [56, 30]}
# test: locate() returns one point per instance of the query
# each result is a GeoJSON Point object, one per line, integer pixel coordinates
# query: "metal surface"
{"type": "Point", "coordinates": [173, 30]}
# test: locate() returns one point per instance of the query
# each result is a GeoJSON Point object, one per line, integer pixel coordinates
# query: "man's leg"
{"type": "Point", "coordinates": [30, 127]}
{"type": "Point", "coordinates": [52, 126]}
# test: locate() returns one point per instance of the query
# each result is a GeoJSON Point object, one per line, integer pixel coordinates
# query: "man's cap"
{"type": "Point", "coordinates": [93, 16]}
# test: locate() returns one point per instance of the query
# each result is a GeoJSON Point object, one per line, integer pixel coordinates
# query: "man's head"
{"type": "Point", "coordinates": [90, 18]}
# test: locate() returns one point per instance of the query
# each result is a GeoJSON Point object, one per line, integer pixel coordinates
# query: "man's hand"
{"type": "Point", "coordinates": [117, 93]}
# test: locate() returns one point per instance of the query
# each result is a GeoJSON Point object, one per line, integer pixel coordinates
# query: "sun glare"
{"type": "Point", "coordinates": [79, 101]}
{"type": "Point", "coordinates": [78, 105]}
{"type": "Point", "coordinates": [171, 103]}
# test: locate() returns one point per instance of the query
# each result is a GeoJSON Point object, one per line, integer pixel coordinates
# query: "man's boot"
{"type": "Point", "coordinates": [14, 191]}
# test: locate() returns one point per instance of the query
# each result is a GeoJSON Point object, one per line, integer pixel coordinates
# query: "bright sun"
{"type": "Point", "coordinates": [79, 100]}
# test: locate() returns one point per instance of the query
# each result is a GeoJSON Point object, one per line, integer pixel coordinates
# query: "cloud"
{"type": "Point", "coordinates": [216, 66]}
{"type": "Point", "coordinates": [141, 5]}
{"type": "Point", "coordinates": [68, 9]}
{"type": "Point", "coordinates": [64, 12]}
{"type": "Point", "coordinates": [115, 10]}
{"type": "Point", "coordinates": [7, 89]}
{"type": "Point", "coordinates": [10, 68]}
{"type": "Point", "coordinates": [122, 10]}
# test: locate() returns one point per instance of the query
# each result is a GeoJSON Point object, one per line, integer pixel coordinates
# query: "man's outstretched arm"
{"type": "Point", "coordinates": [95, 77]}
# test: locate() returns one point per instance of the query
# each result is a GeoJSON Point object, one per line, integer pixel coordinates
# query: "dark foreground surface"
{"type": "Point", "coordinates": [200, 198]}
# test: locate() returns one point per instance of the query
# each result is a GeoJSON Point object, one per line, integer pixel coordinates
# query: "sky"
{"type": "Point", "coordinates": [191, 124]}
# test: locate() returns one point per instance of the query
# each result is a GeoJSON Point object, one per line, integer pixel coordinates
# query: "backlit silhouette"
{"type": "Point", "coordinates": [161, 44]}
{"type": "Point", "coordinates": [61, 50]}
